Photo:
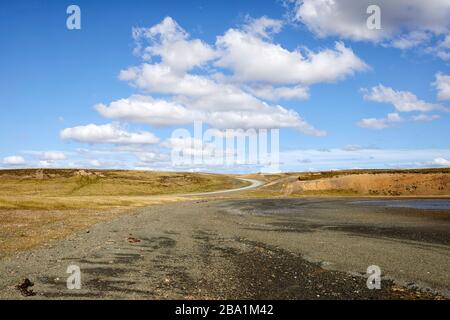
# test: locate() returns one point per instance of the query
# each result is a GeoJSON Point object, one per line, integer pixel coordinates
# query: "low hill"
{"type": "Point", "coordinates": [421, 182]}
{"type": "Point", "coordinates": [40, 205]}
{"type": "Point", "coordinates": [71, 188]}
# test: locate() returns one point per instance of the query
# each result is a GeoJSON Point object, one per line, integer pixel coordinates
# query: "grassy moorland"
{"type": "Point", "coordinates": [92, 189]}
{"type": "Point", "coordinates": [41, 205]}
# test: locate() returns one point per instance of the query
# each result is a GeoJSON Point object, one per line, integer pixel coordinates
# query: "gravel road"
{"type": "Point", "coordinates": [245, 249]}
{"type": "Point", "coordinates": [253, 185]}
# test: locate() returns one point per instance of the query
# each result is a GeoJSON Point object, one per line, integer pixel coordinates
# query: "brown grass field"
{"type": "Point", "coordinates": [41, 205]}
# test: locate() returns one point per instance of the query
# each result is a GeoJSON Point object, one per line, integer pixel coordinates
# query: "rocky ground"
{"type": "Point", "coordinates": [244, 249]}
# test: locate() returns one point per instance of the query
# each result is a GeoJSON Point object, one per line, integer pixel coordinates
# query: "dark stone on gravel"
{"type": "Point", "coordinates": [24, 288]}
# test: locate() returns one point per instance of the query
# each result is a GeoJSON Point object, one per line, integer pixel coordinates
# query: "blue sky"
{"type": "Point", "coordinates": [343, 96]}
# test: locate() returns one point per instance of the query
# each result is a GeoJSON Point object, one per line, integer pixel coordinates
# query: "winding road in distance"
{"type": "Point", "coordinates": [254, 184]}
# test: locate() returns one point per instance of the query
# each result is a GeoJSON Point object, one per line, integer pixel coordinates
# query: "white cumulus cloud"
{"type": "Point", "coordinates": [259, 72]}
{"type": "Point", "coordinates": [148, 110]}
{"type": "Point", "coordinates": [271, 93]}
{"type": "Point", "coordinates": [169, 41]}
{"type": "Point", "coordinates": [238, 100]}
{"type": "Point", "coordinates": [425, 117]}
{"type": "Point", "coordinates": [252, 58]}
{"type": "Point", "coordinates": [107, 134]}
{"type": "Point", "coordinates": [375, 123]}
{"type": "Point", "coordinates": [258, 115]}
{"type": "Point", "coordinates": [52, 155]}
{"type": "Point", "coordinates": [441, 162]}
{"type": "Point", "coordinates": [14, 160]}
{"type": "Point", "coordinates": [442, 85]}
{"type": "Point", "coordinates": [404, 23]}
{"type": "Point", "coordinates": [403, 101]}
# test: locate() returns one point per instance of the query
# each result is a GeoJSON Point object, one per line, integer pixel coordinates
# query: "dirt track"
{"type": "Point", "coordinates": [253, 185]}
{"type": "Point", "coordinates": [282, 249]}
